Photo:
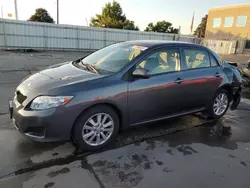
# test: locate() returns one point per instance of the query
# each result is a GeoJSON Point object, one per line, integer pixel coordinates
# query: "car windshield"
{"type": "Point", "coordinates": [112, 58]}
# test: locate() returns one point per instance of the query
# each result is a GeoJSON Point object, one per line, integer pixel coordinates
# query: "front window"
{"type": "Point", "coordinates": [216, 22]}
{"type": "Point", "coordinates": [162, 61]}
{"type": "Point", "coordinates": [113, 58]}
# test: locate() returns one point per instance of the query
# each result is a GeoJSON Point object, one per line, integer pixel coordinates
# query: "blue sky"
{"type": "Point", "coordinates": [76, 12]}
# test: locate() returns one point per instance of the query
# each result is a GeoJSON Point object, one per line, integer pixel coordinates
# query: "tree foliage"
{"type": "Point", "coordinates": [201, 29]}
{"type": "Point", "coordinates": [130, 25]}
{"type": "Point", "coordinates": [162, 27]}
{"type": "Point", "coordinates": [41, 15]}
{"type": "Point", "coordinates": [112, 16]}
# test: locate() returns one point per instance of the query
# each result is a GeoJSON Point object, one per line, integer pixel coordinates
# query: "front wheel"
{"type": "Point", "coordinates": [219, 105]}
{"type": "Point", "coordinates": [96, 128]}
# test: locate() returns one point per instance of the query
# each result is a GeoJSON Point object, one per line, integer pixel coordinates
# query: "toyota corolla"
{"type": "Point", "coordinates": [123, 85]}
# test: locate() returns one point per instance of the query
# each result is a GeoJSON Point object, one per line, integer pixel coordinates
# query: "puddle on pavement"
{"type": "Point", "coordinates": [15, 181]}
{"type": "Point", "coordinates": [30, 155]}
{"type": "Point", "coordinates": [221, 133]}
{"type": "Point", "coordinates": [157, 129]}
{"type": "Point", "coordinates": [214, 133]}
{"type": "Point", "coordinates": [27, 148]}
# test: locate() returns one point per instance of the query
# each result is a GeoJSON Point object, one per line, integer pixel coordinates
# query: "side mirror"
{"type": "Point", "coordinates": [141, 73]}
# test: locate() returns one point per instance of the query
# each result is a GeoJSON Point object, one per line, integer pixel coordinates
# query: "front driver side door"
{"type": "Point", "coordinates": [158, 96]}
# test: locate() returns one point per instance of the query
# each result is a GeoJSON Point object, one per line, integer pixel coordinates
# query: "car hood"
{"type": "Point", "coordinates": [56, 76]}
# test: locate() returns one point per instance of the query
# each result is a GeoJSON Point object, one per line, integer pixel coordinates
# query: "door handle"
{"type": "Point", "coordinates": [217, 74]}
{"type": "Point", "coordinates": [178, 81]}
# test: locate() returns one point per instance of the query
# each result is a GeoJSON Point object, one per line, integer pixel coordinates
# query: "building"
{"type": "Point", "coordinates": [229, 23]}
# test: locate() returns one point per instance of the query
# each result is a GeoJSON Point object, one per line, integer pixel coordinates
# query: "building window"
{"type": "Point", "coordinates": [241, 21]}
{"type": "Point", "coordinates": [217, 22]}
{"type": "Point", "coordinates": [228, 21]}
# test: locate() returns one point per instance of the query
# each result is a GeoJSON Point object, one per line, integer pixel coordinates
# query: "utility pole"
{"type": "Point", "coordinates": [57, 5]}
{"type": "Point", "coordinates": [16, 9]}
{"type": "Point", "coordinates": [86, 21]}
{"type": "Point", "coordinates": [179, 33]}
{"type": "Point", "coordinates": [2, 11]}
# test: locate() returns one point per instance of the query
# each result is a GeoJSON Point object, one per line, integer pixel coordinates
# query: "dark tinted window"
{"type": "Point", "coordinates": [196, 58]}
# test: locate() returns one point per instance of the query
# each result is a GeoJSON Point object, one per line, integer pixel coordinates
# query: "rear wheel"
{"type": "Point", "coordinates": [219, 105]}
{"type": "Point", "coordinates": [96, 128]}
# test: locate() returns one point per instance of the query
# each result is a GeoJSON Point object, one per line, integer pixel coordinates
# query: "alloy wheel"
{"type": "Point", "coordinates": [220, 104]}
{"type": "Point", "coordinates": [98, 129]}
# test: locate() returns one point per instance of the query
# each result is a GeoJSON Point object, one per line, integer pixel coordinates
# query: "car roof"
{"type": "Point", "coordinates": [155, 43]}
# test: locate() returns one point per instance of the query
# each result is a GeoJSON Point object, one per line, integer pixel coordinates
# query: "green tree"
{"type": "Point", "coordinates": [130, 25]}
{"type": "Point", "coordinates": [162, 27]}
{"type": "Point", "coordinates": [41, 15]}
{"type": "Point", "coordinates": [112, 16]}
{"type": "Point", "coordinates": [201, 29]}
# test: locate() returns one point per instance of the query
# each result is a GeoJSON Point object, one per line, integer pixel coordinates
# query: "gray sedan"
{"type": "Point", "coordinates": [123, 85]}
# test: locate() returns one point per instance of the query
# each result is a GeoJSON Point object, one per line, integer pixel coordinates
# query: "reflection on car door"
{"type": "Point", "coordinates": [201, 78]}
{"type": "Point", "coordinates": [159, 95]}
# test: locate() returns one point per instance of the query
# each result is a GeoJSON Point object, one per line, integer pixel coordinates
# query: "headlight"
{"type": "Point", "coordinates": [45, 102]}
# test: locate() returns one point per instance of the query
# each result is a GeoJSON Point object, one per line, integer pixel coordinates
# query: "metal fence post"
{"type": "Point", "coordinates": [45, 37]}
{"type": "Point", "coordinates": [77, 39]}
{"type": "Point", "coordinates": [90, 37]}
{"type": "Point", "coordinates": [105, 37]}
{"type": "Point", "coordinates": [4, 34]}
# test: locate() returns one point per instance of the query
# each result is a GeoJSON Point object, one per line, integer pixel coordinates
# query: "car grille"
{"type": "Point", "coordinates": [20, 97]}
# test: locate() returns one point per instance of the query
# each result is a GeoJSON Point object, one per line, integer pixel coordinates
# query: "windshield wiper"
{"type": "Point", "coordinates": [90, 67]}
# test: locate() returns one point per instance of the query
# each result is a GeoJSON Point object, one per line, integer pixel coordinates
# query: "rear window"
{"type": "Point", "coordinates": [196, 58]}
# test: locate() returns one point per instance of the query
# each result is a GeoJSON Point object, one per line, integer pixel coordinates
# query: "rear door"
{"type": "Point", "coordinates": [201, 77]}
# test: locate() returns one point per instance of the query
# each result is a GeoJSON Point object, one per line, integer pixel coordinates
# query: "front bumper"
{"type": "Point", "coordinates": [44, 125]}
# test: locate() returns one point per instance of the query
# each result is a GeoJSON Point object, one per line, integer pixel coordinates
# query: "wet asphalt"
{"type": "Point", "coordinates": [190, 151]}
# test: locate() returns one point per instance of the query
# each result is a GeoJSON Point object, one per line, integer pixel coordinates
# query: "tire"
{"type": "Point", "coordinates": [212, 109]}
{"type": "Point", "coordinates": [84, 126]}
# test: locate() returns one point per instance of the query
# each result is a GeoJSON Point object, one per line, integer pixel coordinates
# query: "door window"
{"type": "Point", "coordinates": [162, 62]}
{"type": "Point", "coordinates": [196, 58]}
{"type": "Point", "coordinates": [213, 61]}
